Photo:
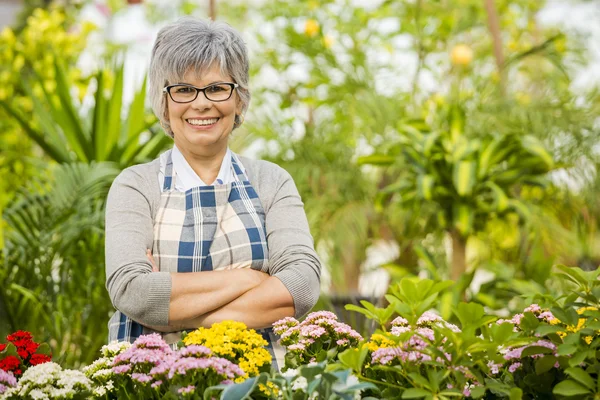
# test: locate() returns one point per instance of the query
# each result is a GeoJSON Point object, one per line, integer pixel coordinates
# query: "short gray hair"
{"type": "Point", "coordinates": [194, 44]}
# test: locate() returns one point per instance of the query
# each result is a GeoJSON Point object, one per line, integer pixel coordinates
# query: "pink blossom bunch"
{"type": "Point", "coordinates": [150, 364]}
{"type": "Point", "coordinates": [219, 369]}
{"type": "Point", "coordinates": [7, 380]}
{"type": "Point", "coordinates": [543, 315]}
{"type": "Point", "coordinates": [427, 320]}
{"type": "Point", "coordinates": [146, 352]}
{"type": "Point", "coordinates": [513, 356]}
{"type": "Point", "coordinates": [387, 356]}
{"type": "Point", "coordinates": [319, 331]}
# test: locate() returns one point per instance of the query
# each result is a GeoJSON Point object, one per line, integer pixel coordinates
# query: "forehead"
{"type": "Point", "coordinates": [202, 76]}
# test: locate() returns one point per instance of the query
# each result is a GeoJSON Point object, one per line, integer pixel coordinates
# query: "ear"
{"type": "Point", "coordinates": [238, 106]}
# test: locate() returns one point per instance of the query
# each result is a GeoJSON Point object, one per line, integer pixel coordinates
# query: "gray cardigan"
{"type": "Point", "coordinates": [132, 203]}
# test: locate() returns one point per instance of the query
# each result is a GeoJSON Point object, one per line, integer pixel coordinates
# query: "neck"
{"type": "Point", "coordinates": [205, 166]}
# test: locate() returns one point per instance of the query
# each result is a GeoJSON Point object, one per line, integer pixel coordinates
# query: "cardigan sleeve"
{"type": "Point", "coordinates": [292, 257]}
{"type": "Point", "coordinates": [133, 288]}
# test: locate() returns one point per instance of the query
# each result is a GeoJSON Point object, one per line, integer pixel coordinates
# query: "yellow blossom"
{"type": "Point", "coordinates": [234, 341]}
{"type": "Point", "coordinates": [461, 55]}
{"type": "Point", "coordinates": [328, 41]}
{"type": "Point", "coordinates": [311, 27]}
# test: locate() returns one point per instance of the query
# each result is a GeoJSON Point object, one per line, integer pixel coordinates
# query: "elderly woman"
{"type": "Point", "coordinates": [228, 235]}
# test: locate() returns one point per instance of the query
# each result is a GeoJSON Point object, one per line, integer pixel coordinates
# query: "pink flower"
{"type": "Point", "coordinates": [194, 351]}
{"type": "Point", "coordinates": [121, 369]}
{"type": "Point", "coordinates": [187, 389]}
{"type": "Point", "coordinates": [141, 378]}
{"type": "Point", "coordinates": [399, 321]}
{"type": "Point", "coordinates": [514, 367]}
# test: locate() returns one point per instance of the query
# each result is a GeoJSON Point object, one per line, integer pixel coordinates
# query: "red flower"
{"type": "Point", "coordinates": [19, 335]}
{"type": "Point", "coordinates": [26, 348]}
{"type": "Point", "coordinates": [2, 346]}
{"type": "Point", "coordinates": [12, 364]}
{"type": "Point", "coordinates": [39, 359]}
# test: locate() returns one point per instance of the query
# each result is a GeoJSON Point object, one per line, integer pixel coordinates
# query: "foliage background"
{"type": "Point", "coordinates": [341, 93]}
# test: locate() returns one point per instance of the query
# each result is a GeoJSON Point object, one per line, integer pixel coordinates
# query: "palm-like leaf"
{"type": "Point", "coordinates": [105, 135]}
{"type": "Point", "coordinates": [52, 278]}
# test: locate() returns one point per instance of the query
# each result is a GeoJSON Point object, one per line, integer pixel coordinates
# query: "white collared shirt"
{"type": "Point", "coordinates": [187, 177]}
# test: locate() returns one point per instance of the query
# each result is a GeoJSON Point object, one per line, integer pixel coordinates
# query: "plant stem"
{"type": "Point", "coordinates": [494, 27]}
{"type": "Point", "coordinates": [459, 250]}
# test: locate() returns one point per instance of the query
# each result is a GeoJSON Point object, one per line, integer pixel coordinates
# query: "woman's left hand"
{"type": "Point", "coordinates": [151, 258]}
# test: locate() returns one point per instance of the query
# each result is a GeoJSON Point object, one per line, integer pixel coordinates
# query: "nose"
{"type": "Point", "coordinates": [201, 102]}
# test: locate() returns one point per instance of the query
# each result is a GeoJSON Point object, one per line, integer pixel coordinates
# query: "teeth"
{"type": "Point", "coordinates": [203, 121]}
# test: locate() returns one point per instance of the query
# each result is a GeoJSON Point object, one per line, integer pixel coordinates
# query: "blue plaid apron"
{"type": "Point", "coordinates": [205, 228]}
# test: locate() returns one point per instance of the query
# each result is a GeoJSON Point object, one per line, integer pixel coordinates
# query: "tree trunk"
{"type": "Point", "coordinates": [212, 9]}
{"type": "Point", "coordinates": [459, 255]}
{"type": "Point", "coordinates": [494, 27]}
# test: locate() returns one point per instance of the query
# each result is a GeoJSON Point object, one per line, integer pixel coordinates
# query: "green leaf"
{"type": "Point", "coordinates": [425, 185]}
{"type": "Point", "coordinates": [535, 147]}
{"type": "Point", "coordinates": [533, 350]}
{"type": "Point", "coordinates": [515, 394]}
{"type": "Point", "coordinates": [463, 218]}
{"type": "Point", "coordinates": [376, 159]}
{"type": "Point", "coordinates": [581, 376]}
{"type": "Point", "coordinates": [353, 358]}
{"type": "Point", "coordinates": [415, 393]}
{"type": "Point", "coordinates": [477, 391]}
{"type": "Point", "coordinates": [239, 391]}
{"type": "Point", "coordinates": [570, 388]}
{"type": "Point", "coordinates": [544, 364]}
{"type": "Point", "coordinates": [464, 178]}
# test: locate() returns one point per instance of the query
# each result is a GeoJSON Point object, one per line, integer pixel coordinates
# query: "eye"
{"type": "Point", "coordinates": [217, 88]}
{"type": "Point", "coordinates": [183, 89]}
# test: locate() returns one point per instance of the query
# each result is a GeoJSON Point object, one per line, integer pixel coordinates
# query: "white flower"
{"type": "Point", "coordinates": [290, 373]}
{"type": "Point", "coordinates": [37, 394]}
{"type": "Point", "coordinates": [300, 383]}
{"type": "Point", "coordinates": [114, 348]}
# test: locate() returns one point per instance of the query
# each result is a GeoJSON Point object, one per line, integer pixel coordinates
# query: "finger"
{"type": "Point", "coordinates": [152, 262]}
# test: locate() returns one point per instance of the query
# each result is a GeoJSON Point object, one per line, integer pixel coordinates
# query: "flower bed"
{"type": "Point", "coordinates": [543, 352]}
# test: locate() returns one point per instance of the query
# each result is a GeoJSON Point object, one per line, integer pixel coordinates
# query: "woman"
{"type": "Point", "coordinates": [229, 235]}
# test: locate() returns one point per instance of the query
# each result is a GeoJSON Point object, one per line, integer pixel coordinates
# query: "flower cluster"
{"type": "Point", "coordinates": [415, 341]}
{"type": "Point", "coordinates": [236, 343]}
{"type": "Point", "coordinates": [100, 371]}
{"type": "Point", "coordinates": [542, 315]}
{"type": "Point", "coordinates": [49, 381]}
{"type": "Point", "coordinates": [21, 352]}
{"type": "Point", "coordinates": [311, 339]}
{"type": "Point", "coordinates": [7, 380]}
{"type": "Point", "coordinates": [150, 368]}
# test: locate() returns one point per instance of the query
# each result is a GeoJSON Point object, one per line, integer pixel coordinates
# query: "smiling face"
{"type": "Point", "coordinates": [202, 127]}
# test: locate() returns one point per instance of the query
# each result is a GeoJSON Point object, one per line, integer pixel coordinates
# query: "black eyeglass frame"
{"type": "Point", "coordinates": [167, 89]}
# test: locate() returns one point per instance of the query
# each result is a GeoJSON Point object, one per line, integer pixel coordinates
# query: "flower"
{"type": "Point", "coordinates": [461, 55]}
{"type": "Point", "coordinates": [320, 330]}
{"type": "Point", "coordinates": [49, 380]}
{"type": "Point", "coordinates": [26, 350]}
{"type": "Point", "coordinates": [311, 27]}
{"type": "Point", "coordinates": [235, 342]}
{"type": "Point", "coordinates": [7, 380]}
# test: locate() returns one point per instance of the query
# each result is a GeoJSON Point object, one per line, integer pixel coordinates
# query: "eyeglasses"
{"type": "Point", "coordinates": [184, 93]}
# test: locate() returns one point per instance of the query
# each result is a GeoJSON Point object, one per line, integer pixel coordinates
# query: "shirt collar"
{"type": "Point", "coordinates": [187, 177]}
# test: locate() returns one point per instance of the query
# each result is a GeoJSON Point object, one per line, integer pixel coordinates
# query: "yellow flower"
{"type": "Point", "coordinates": [234, 341]}
{"type": "Point", "coordinates": [328, 41]}
{"type": "Point", "coordinates": [270, 390]}
{"type": "Point", "coordinates": [461, 55]}
{"type": "Point", "coordinates": [311, 27]}
{"type": "Point", "coordinates": [379, 341]}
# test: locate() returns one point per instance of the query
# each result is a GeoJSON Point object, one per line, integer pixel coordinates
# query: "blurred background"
{"type": "Point", "coordinates": [448, 139]}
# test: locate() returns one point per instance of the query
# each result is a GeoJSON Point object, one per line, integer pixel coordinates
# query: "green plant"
{"type": "Point", "coordinates": [52, 275]}
{"type": "Point", "coordinates": [105, 135]}
{"type": "Point", "coordinates": [464, 180]}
